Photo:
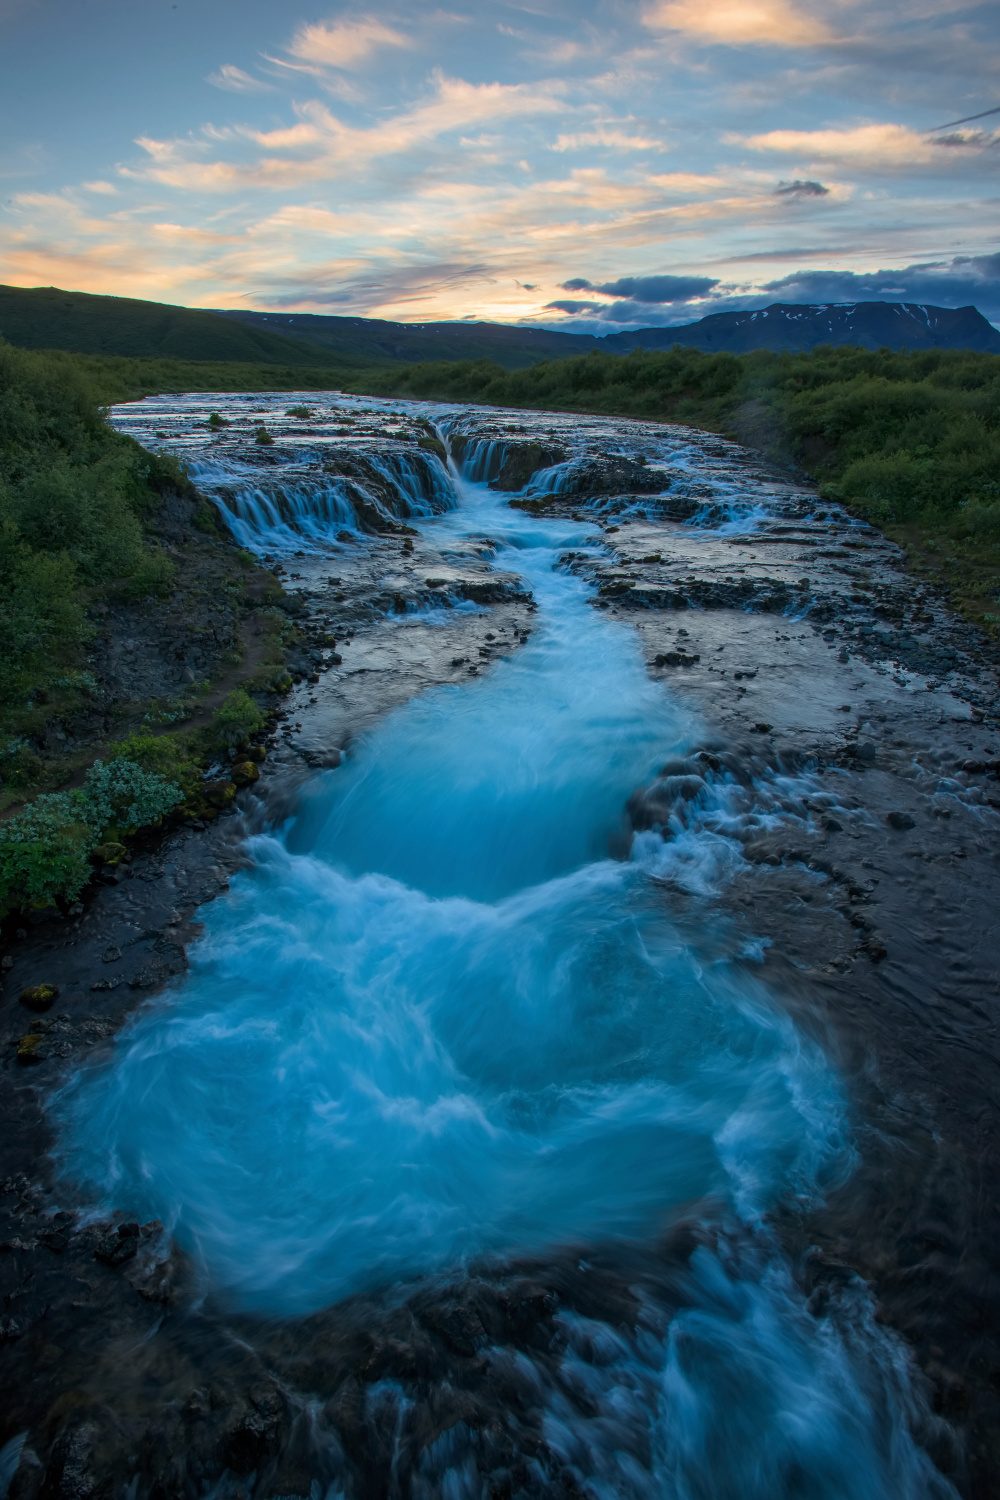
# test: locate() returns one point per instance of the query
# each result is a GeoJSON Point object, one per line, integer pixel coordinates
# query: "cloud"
{"type": "Point", "coordinates": [322, 146]}
{"type": "Point", "coordinates": [610, 139]}
{"type": "Point", "coordinates": [801, 188]}
{"type": "Point", "coordinates": [107, 189]}
{"type": "Point", "coordinates": [861, 145]}
{"type": "Point", "coordinates": [569, 306]}
{"type": "Point", "coordinates": [343, 44]}
{"type": "Point", "coordinates": [647, 289]}
{"type": "Point", "coordinates": [235, 81]}
{"type": "Point", "coordinates": [739, 23]}
{"type": "Point", "coordinates": [955, 283]}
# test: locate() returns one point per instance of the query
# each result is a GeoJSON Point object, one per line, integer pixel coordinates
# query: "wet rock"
{"type": "Point", "coordinates": [219, 793]}
{"type": "Point", "coordinates": [119, 1246]}
{"type": "Point", "coordinates": [71, 1473]}
{"type": "Point", "coordinates": [675, 659]}
{"type": "Point", "coordinates": [244, 773]}
{"type": "Point", "coordinates": [866, 752]}
{"type": "Point", "coordinates": [30, 1049]}
{"type": "Point", "coordinates": [900, 821]}
{"type": "Point", "coordinates": [39, 996]}
{"type": "Point", "coordinates": [110, 854]}
{"type": "Point", "coordinates": [111, 955]}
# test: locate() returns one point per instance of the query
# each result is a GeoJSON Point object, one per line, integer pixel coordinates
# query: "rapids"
{"type": "Point", "coordinates": [446, 1019]}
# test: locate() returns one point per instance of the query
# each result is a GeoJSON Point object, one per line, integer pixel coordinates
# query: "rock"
{"type": "Point", "coordinates": [256, 753]}
{"type": "Point", "coordinates": [218, 793]}
{"type": "Point", "coordinates": [111, 955]}
{"type": "Point", "coordinates": [110, 853]}
{"type": "Point", "coordinates": [761, 728]}
{"type": "Point", "coordinates": [901, 821]}
{"type": "Point", "coordinates": [39, 996]}
{"type": "Point", "coordinates": [675, 659]}
{"type": "Point", "coordinates": [28, 1049]}
{"type": "Point", "coordinates": [866, 751]}
{"type": "Point", "coordinates": [244, 773]}
{"type": "Point", "coordinates": [119, 1246]}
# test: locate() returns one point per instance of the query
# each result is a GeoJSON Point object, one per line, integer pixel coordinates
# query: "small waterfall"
{"type": "Point", "coordinates": [367, 491]}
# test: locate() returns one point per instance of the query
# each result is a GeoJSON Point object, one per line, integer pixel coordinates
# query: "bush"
{"type": "Point", "coordinates": [44, 851]}
{"type": "Point", "coordinates": [167, 755]}
{"type": "Point", "coordinates": [236, 720]}
{"type": "Point", "coordinates": [122, 795]}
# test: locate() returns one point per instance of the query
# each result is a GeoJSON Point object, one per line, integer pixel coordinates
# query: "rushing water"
{"type": "Point", "coordinates": [439, 1021]}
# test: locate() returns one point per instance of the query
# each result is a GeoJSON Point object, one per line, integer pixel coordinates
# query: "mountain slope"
{"type": "Point", "coordinates": [48, 318]}
{"type": "Point", "coordinates": [377, 340]}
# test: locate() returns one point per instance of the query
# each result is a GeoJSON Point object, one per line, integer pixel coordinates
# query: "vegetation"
{"type": "Point", "coordinates": [49, 318]}
{"type": "Point", "coordinates": [909, 441]}
{"type": "Point", "coordinates": [79, 504]}
{"type": "Point", "coordinates": [74, 496]}
{"type": "Point", "coordinates": [46, 850]}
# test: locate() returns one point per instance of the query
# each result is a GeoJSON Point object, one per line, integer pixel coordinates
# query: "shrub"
{"type": "Point", "coordinates": [44, 851]}
{"type": "Point", "coordinates": [236, 720]}
{"type": "Point", "coordinates": [120, 794]}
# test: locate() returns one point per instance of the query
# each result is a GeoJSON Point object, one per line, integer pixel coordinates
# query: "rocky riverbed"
{"type": "Point", "coordinates": [843, 787]}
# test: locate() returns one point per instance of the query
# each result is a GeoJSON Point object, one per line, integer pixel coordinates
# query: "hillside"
{"type": "Point", "coordinates": [375, 340]}
{"type": "Point", "coordinates": [122, 327]}
{"type": "Point", "coordinates": [47, 318]}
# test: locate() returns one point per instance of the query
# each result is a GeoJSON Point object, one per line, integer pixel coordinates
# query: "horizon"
{"type": "Point", "coordinates": [589, 169]}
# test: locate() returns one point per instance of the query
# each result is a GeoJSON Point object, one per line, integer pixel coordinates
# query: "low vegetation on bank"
{"type": "Point", "coordinates": [909, 441]}
{"type": "Point", "coordinates": [125, 617]}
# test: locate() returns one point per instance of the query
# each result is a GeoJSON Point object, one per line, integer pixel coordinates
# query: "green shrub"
{"type": "Point", "coordinates": [121, 794]}
{"type": "Point", "coordinates": [166, 755]}
{"type": "Point", "coordinates": [44, 851]}
{"type": "Point", "coordinates": [236, 720]}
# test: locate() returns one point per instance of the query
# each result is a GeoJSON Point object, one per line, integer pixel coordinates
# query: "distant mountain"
{"type": "Point", "coordinates": [47, 318]}
{"type": "Point", "coordinates": [789, 325]}
{"type": "Point", "coordinates": [783, 325]}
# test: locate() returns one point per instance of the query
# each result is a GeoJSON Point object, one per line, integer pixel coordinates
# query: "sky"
{"type": "Point", "coordinates": [590, 165]}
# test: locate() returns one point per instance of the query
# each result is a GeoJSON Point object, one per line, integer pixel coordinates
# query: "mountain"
{"type": "Point", "coordinates": [783, 325]}
{"type": "Point", "coordinates": [48, 318]}
{"type": "Point", "coordinates": [789, 325]}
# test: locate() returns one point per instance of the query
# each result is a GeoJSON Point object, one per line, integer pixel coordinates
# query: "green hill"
{"type": "Point", "coordinates": [48, 318]}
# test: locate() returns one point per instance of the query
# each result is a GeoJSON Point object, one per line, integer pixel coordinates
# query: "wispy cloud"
{"type": "Point", "coordinates": [343, 44]}
{"type": "Point", "coordinates": [235, 81]}
{"type": "Point", "coordinates": [881, 146]}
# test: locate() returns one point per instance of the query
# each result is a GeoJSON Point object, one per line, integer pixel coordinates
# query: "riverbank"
{"type": "Point", "coordinates": [861, 760]}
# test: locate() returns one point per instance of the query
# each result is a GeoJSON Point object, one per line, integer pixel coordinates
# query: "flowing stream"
{"type": "Point", "coordinates": [447, 1017]}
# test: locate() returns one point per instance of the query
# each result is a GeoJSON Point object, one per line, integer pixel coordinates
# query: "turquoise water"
{"type": "Point", "coordinates": [439, 1020]}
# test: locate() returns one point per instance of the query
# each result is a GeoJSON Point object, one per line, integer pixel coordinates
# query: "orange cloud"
{"type": "Point", "coordinates": [740, 23]}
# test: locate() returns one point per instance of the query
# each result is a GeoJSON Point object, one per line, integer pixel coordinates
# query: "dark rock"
{"type": "Point", "coordinates": [675, 659]}
{"type": "Point", "coordinates": [901, 821]}
{"type": "Point", "coordinates": [119, 1246]}
{"type": "Point", "coordinates": [865, 751]}
{"type": "Point", "coordinates": [244, 773]}
{"type": "Point", "coordinates": [110, 853]}
{"type": "Point", "coordinates": [39, 996]}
